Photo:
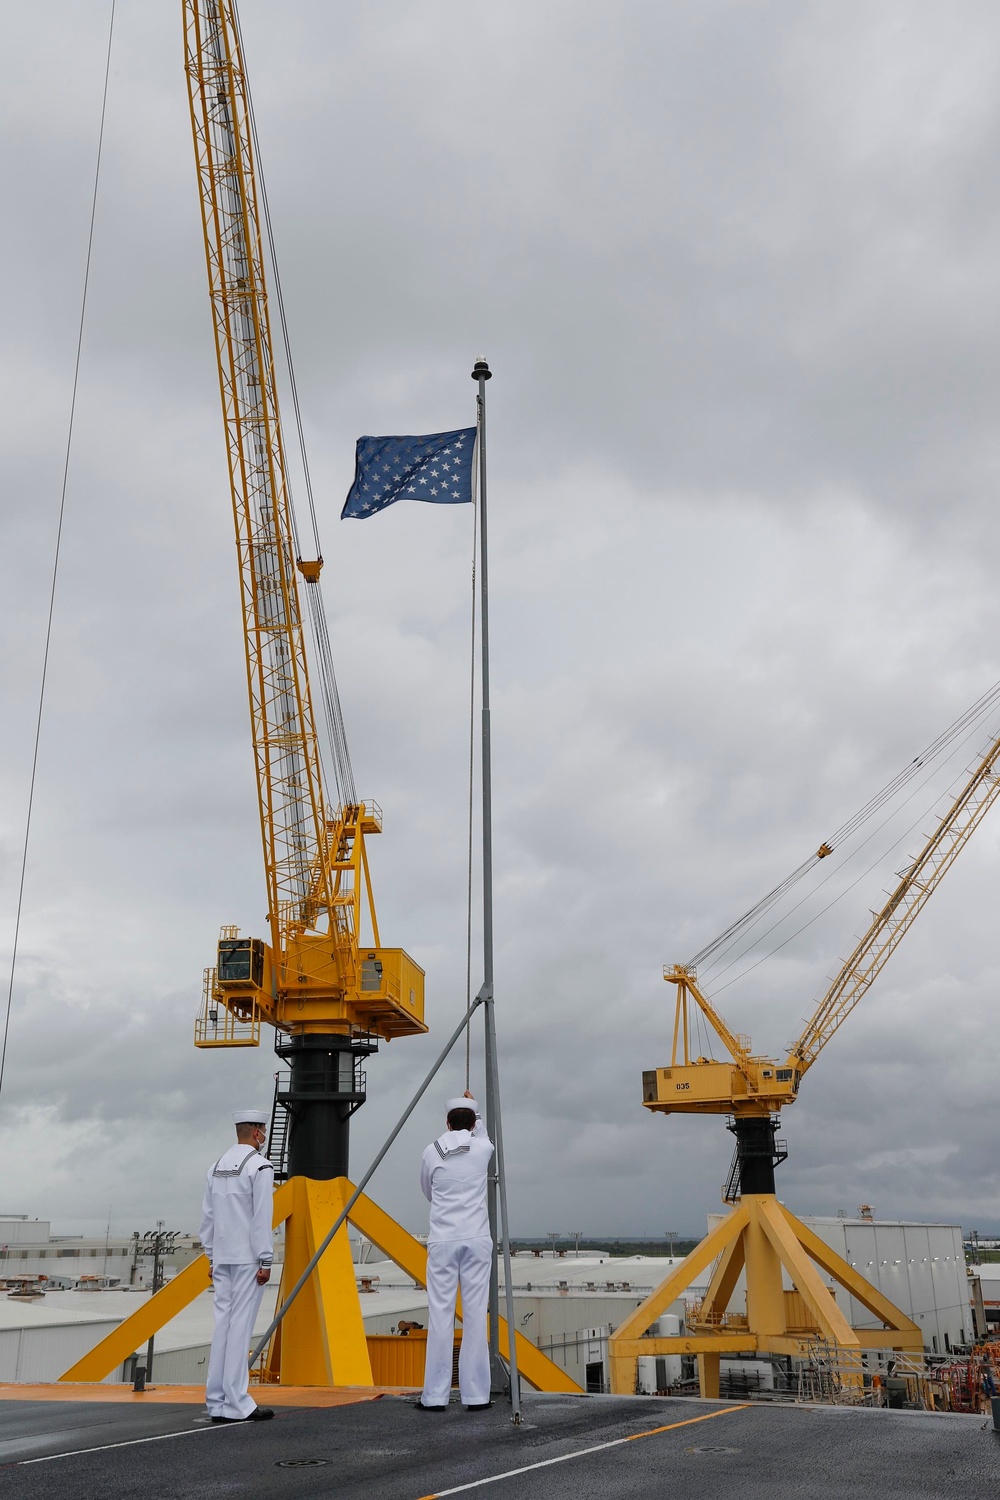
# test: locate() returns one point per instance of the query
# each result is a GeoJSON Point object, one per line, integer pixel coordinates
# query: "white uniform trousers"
{"type": "Point", "coordinates": [237, 1299]}
{"type": "Point", "coordinates": [452, 1264]}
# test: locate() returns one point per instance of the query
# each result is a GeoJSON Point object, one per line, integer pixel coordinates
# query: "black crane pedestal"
{"type": "Point", "coordinates": [324, 1086]}
{"type": "Point", "coordinates": [756, 1156]}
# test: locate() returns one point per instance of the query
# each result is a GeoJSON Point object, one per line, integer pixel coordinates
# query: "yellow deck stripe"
{"type": "Point", "coordinates": [582, 1452]}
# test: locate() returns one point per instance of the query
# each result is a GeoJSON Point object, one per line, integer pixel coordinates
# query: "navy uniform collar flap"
{"type": "Point", "coordinates": [450, 1143]}
{"type": "Point", "coordinates": [218, 1171]}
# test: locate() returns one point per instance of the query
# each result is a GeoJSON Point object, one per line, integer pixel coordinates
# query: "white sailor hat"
{"type": "Point", "coordinates": [250, 1117]}
{"type": "Point", "coordinates": [462, 1103]}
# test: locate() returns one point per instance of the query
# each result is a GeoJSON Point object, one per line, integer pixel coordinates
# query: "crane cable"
{"type": "Point", "coordinates": [329, 691]}
{"type": "Point", "coordinates": [57, 549]}
{"type": "Point", "coordinates": [934, 751]}
{"type": "Point", "coordinates": [823, 910]}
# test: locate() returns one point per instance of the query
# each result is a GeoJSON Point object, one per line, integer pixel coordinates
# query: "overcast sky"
{"type": "Point", "coordinates": [736, 267]}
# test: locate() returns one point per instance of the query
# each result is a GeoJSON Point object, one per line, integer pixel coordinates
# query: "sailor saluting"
{"type": "Point", "coordinates": [236, 1234]}
{"type": "Point", "coordinates": [453, 1175]}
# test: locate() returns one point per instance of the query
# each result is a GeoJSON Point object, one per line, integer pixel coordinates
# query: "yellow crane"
{"type": "Point", "coordinates": [329, 995]}
{"type": "Point", "coordinates": [760, 1237]}
{"type": "Point", "coordinates": [312, 979]}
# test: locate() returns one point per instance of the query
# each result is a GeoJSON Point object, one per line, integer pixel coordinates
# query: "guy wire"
{"type": "Point", "coordinates": [836, 869]}
{"type": "Point", "coordinates": [58, 546]}
{"type": "Point", "coordinates": [823, 910]}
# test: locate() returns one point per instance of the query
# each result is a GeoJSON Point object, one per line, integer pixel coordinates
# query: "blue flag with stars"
{"type": "Point", "coordinates": [436, 467]}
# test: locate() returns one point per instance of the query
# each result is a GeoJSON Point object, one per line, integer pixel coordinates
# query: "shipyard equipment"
{"type": "Point", "coordinates": [330, 992]}
{"type": "Point", "coordinates": [760, 1237]}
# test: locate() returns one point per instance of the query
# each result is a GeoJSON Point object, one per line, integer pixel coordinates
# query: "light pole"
{"type": "Point", "coordinates": [155, 1242]}
{"type": "Point", "coordinates": [553, 1236]}
{"type": "Point", "coordinates": [671, 1235]}
{"type": "Point", "coordinates": [577, 1235]}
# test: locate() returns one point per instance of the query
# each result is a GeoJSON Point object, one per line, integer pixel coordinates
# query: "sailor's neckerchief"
{"type": "Point", "coordinates": [450, 1143]}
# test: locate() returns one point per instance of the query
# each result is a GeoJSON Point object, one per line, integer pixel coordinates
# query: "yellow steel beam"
{"type": "Point", "coordinates": [766, 1314]}
{"type": "Point", "coordinates": [782, 1231]}
{"type": "Point", "coordinates": [724, 1279]}
{"type": "Point", "coordinates": [148, 1319]}
{"type": "Point", "coordinates": [860, 1289]}
{"type": "Point", "coordinates": [696, 1343]}
{"type": "Point", "coordinates": [708, 1376]}
{"type": "Point", "coordinates": [622, 1364]}
{"type": "Point", "coordinates": [323, 1334]}
{"type": "Point", "coordinates": [391, 1238]}
{"type": "Point", "coordinates": [350, 1363]}
{"type": "Point", "coordinates": [153, 1315]}
{"type": "Point", "coordinates": [682, 1276]}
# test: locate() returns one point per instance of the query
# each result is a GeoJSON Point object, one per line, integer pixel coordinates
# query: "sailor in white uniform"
{"type": "Point", "coordinates": [453, 1175]}
{"type": "Point", "coordinates": [237, 1237]}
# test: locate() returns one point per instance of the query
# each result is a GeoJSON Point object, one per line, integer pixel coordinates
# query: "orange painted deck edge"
{"type": "Point", "coordinates": [192, 1395]}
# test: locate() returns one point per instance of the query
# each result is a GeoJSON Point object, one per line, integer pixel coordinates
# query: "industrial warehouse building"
{"type": "Point", "coordinates": [29, 1248]}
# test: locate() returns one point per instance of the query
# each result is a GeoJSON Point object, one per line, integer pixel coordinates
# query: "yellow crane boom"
{"type": "Point", "coordinates": [286, 754]}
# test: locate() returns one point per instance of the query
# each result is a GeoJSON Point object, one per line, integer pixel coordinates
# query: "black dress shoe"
{"type": "Point", "coordinates": [260, 1414]}
{"type": "Point", "coordinates": [421, 1407]}
{"type": "Point", "coordinates": [483, 1406]}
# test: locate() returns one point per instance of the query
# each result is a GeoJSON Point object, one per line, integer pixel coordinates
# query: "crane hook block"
{"type": "Point", "coordinates": [310, 569]}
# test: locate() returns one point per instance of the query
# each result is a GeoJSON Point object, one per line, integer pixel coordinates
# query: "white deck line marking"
{"type": "Point", "coordinates": [160, 1437]}
{"type": "Point", "coordinates": [582, 1452]}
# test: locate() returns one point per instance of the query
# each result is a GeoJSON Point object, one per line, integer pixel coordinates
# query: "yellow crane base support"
{"type": "Point", "coordinates": [322, 1340]}
{"type": "Point", "coordinates": [763, 1239]}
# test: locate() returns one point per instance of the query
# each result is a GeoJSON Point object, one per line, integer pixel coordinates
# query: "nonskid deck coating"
{"type": "Point", "coordinates": [568, 1448]}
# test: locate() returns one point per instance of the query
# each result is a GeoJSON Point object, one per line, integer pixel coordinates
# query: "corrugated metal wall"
{"type": "Point", "coordinates": [37, 1355]}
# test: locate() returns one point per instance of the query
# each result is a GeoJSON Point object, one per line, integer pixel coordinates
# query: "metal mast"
{"type": "Point", "coordinates": [497, 1187]}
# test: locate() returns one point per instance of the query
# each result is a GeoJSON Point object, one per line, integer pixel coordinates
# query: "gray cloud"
{"type": "Point", "coordinates": [736, 274]}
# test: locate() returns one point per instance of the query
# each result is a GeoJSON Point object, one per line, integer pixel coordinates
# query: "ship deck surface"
{"type": "Point", "coordinates": [99, 1444]}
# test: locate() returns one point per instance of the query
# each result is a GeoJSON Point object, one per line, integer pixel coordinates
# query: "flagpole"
{"type": "Point", "coordinates": [497, 1185]}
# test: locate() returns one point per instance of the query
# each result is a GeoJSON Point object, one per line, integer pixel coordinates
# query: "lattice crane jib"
{"type": "Point", "coordinates": [747, 1085]}
{"type": "Point", "coordinates": [312, 977]}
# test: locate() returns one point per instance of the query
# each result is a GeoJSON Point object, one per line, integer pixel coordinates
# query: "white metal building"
{"type": "Point", "coordinates": [38, 1341]}
{"type": "Point", "coordinates": [29, 1248]}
